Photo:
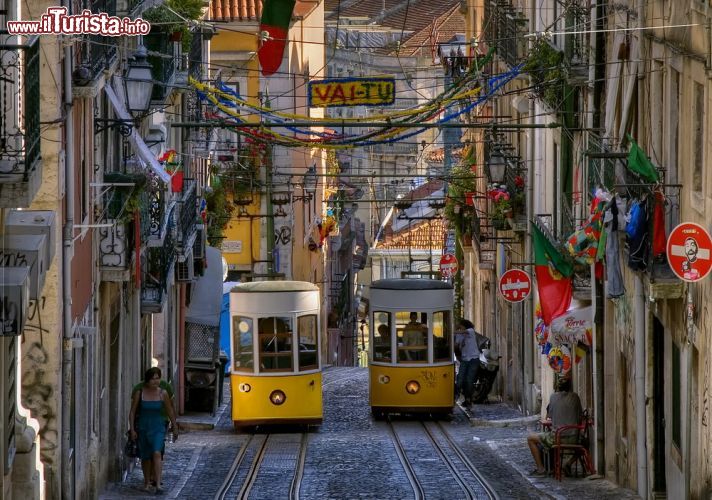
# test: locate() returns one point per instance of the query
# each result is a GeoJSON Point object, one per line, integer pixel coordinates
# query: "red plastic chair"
{"type": "Point", "coordinates": [577, 450]}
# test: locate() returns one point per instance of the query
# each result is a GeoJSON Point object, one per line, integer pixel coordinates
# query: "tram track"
{"type": "Point", "coordinates": [267, 464]}
{"type": "Point", "coordinates": [432, 476]}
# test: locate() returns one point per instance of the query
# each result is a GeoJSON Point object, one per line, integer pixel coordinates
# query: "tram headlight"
{"type": "Point", "coordinates": [412, 387]}
{"type": "Point", "coordinates": [245, 387]}
{"type": "Point", "coordinates": [277, 397]}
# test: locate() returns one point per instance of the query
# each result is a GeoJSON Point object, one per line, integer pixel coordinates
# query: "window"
{"type": "Point", "coordinates": [307, 332]}
{"type": "Point", "coordinates": [676, 397]}
{"type": "Point", "coordinates": [442, 337]}
{"type": "Point", "coordinates": [698, 126]}
{"type": "Point", "coordinates": [275, 337]}
{"type": "Point", "coordinates": [412, 332]}
{"type": "Point", "coordinates": [242, 344]}
{"type": "Point", "coordinates": [382, 336]}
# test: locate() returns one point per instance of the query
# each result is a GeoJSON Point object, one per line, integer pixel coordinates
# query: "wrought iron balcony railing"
{"type": "Point", "coordinates": [159, 261]}
{"type": "Point", "coordinates": [96, 53]}
{"type": "Point", "coordinates": [19, 121]}
{"type": "Point", "coordinates": [187, 215]}
{"type": "Point", "coordinates": [162, 56]}
{"type": "Point", "coordinates": [505, 27]}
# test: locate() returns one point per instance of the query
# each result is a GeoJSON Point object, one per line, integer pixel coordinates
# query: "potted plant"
{"type": "Point", "coordinates": [170, 18]}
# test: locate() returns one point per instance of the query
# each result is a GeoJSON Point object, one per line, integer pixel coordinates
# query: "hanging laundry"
{"type": "Point", "coordinates": [638, 236]}
{"type": "Point", "coordinates": [614, 277]}
{"type": "Point", "coordinates": [583, 244]}
{"type": "Point", "coordinates": [659, 236]}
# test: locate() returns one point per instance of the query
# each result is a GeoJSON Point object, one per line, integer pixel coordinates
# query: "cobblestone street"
{"type": "Point", "coordinates": [352, 456]}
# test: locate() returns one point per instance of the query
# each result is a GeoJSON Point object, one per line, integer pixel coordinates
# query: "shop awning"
{"type": "Point", "coordinates": [137, 143]}
{"type": "Point", "coordinates": [206, 299]}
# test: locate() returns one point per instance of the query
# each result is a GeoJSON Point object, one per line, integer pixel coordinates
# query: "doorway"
{"type": "Point", "coordinates": [659, 484]}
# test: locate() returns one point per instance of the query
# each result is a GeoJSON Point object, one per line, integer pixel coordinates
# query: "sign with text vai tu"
{"type": "Point", "coordinates": [377, 91]}
{"type": "Point", "coordinates": [448, 265]}
{"type": "Point", "coordinates": [515, 285]}
{"type": "Point", "coordinates": [688, 251]}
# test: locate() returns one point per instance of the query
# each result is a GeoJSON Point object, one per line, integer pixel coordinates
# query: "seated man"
{"type": "Point", "coordinates": [564, 409]}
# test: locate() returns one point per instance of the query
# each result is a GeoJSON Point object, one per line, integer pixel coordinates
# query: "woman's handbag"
{"type": "Point", "coordinates": [131, 448]}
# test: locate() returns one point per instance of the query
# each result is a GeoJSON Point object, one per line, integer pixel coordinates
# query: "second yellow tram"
{"type": "Point", "coordinates": [411, 363]}
{"type": "Point", "coordinates": [276, 353]}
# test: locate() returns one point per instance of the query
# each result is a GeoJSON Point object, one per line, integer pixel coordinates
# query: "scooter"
{"type": "Point", "coordinates": [489, 366]}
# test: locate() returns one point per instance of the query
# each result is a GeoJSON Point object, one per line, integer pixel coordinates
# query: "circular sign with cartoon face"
{"type": "Point", "coordinates": [688, 251]}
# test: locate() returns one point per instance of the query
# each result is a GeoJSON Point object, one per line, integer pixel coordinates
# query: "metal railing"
{"type": "Point", "coordinates": [187, 213]}
{"type": "Point", "coordinates": [505, 26]}
{"type": "Point", "coordinates": [96, 53]}
{"type": "Point", "coordinates": [19, 109]}
{"type": "Point", "coordinates": [163, 59]}
{"type": "Point", "coordinates": [159, 261]}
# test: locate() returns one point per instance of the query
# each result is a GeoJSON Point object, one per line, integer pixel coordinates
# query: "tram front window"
{"type": "Point", "coordinates": [275, 337]}
{"type": "Point", "coordinates": [242, 343]}
{"type": "Point", "coordinates": [442, 337]}
{"type": "Point", "coordinates": [307, 335]}
{"type": "Point", "coordinates": [382, 337]}
{"type": "Point", "coordinates": [412, 328]}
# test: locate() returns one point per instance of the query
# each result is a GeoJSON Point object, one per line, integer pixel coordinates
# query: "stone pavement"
{"type": "Point", "coordinates": [504, 429]}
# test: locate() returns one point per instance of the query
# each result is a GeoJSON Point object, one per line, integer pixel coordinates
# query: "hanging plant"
{"type": "Point", "coordinates": [545, 65]}
{"type": "Point", "coordinates": [125, 200]}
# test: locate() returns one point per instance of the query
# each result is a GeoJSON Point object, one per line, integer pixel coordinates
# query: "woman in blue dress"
{"type": "Point", "coordinates": [149, 403]}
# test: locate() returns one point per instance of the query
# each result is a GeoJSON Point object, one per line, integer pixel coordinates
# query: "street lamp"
{"type": "Point", "coordinates": [497, 165]}
{"type": "Point", "coordinates": [138, 82]}
{"type": "Point", "coordinates": [309, 183]}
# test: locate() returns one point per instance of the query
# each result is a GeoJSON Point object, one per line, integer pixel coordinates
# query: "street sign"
{"type": "Point", "coordinates": [448, 265]}
{"type": "Point", "coordinates": [688, 251]}
{"type": "Point", "coordinates": [515, 285]}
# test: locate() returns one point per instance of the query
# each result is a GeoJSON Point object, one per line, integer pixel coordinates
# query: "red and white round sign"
{"type": "Point", "coordinates": [688, 251]}
{"type": "Point", "coordinates": [448, 265]}
{"type": "Point", "coordinates": [515, 285]}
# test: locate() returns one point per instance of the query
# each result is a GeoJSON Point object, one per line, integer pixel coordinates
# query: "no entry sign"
{"type": "Point", "coordinates": [515, 285]}
{"type": "Point", "coordinates": [448, 265]}
{"type": "Point", "coordinates": [688, 251]}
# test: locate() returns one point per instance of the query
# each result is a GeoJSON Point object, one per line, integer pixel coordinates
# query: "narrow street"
{"type": "Point", "coordinates": [353, 456]}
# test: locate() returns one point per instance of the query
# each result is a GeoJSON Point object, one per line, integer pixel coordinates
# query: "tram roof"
{"type": "Point", "coordinates": [274, 286]}
{"type": "Point", "coordinates": [410, 284]}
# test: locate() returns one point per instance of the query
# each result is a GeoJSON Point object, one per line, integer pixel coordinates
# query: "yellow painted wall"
{"type": "Point", "coordinates": [238, 229]}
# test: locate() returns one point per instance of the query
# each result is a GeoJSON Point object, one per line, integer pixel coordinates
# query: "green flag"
{"type": "Point", "coordinates": [640, 164]}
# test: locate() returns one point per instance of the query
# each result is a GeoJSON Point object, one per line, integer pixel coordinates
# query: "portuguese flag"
{"type": "Point", "coordinates": [553, 277]}
{"type": "Point", "coordinates": [274, 27]}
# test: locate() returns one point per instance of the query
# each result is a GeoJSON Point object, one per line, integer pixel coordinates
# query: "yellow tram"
{"type": "Point", "coordinates": [276, 354]}
{"type": "Point", "coordinates": [411, 368]}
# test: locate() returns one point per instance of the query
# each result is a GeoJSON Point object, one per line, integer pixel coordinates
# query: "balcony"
{"type": "Point", "coordinates": [506, 27]}
{"type": "Point", "coordinates": [162, 56]}
{"type": "Point", "coordinates": [187, 216]}
{"type": "Point", "coordinates": [20, 166]}
{"type": "Point", "coordinates": [95, 54]}
{"type": "Point", "coordinates": [158, 265]}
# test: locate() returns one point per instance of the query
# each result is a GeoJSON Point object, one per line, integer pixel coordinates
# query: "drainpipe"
{"type": "Point", "coordinates": [67, 479]}
{"type": "Point", "coordinates": [640, 342]}
{"type": "Point", "coordinates": [640, 414]}
{"type": "Point", "coordinates": [529, 356]}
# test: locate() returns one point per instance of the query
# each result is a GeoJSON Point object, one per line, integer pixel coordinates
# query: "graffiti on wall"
{"type": "Point", "coordinates": [38, 391]}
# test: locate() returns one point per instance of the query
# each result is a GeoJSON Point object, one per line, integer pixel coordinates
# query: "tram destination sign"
{"type": "Point", "coordinates": [333, 92]}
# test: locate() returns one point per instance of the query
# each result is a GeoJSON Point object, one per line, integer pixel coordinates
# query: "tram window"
{"type": "Point", "coordinates": [382, 336]}
{"type": "Point", "coordinates": [307, 334]}
{"type": "Point", "coordinates": [275, 338]}
{"type": "Point", "coordinates": [242, 343]}
{"type": "Point", "coordinates": [442, 337]}
{"type": "Point", "coordinates": [412, 331]}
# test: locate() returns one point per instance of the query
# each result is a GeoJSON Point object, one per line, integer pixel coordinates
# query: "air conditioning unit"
{"type": "Point", "coordinates": [26, 250]}
{"type": "Point", "coordinates": [184, 269]}
{"type": "Point", "coordinates": [34, 222]}
{"type": "Point", "coordinates": [14, 299]}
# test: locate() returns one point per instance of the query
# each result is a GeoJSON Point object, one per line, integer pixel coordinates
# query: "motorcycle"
{"type": "Point", "coordinates": [489, 367]}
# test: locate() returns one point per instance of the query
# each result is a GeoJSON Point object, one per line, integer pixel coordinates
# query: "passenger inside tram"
{"type": "Point", "coordinates": [382, 341]}
{"type": "Point", "coordinates": [415, 340]}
